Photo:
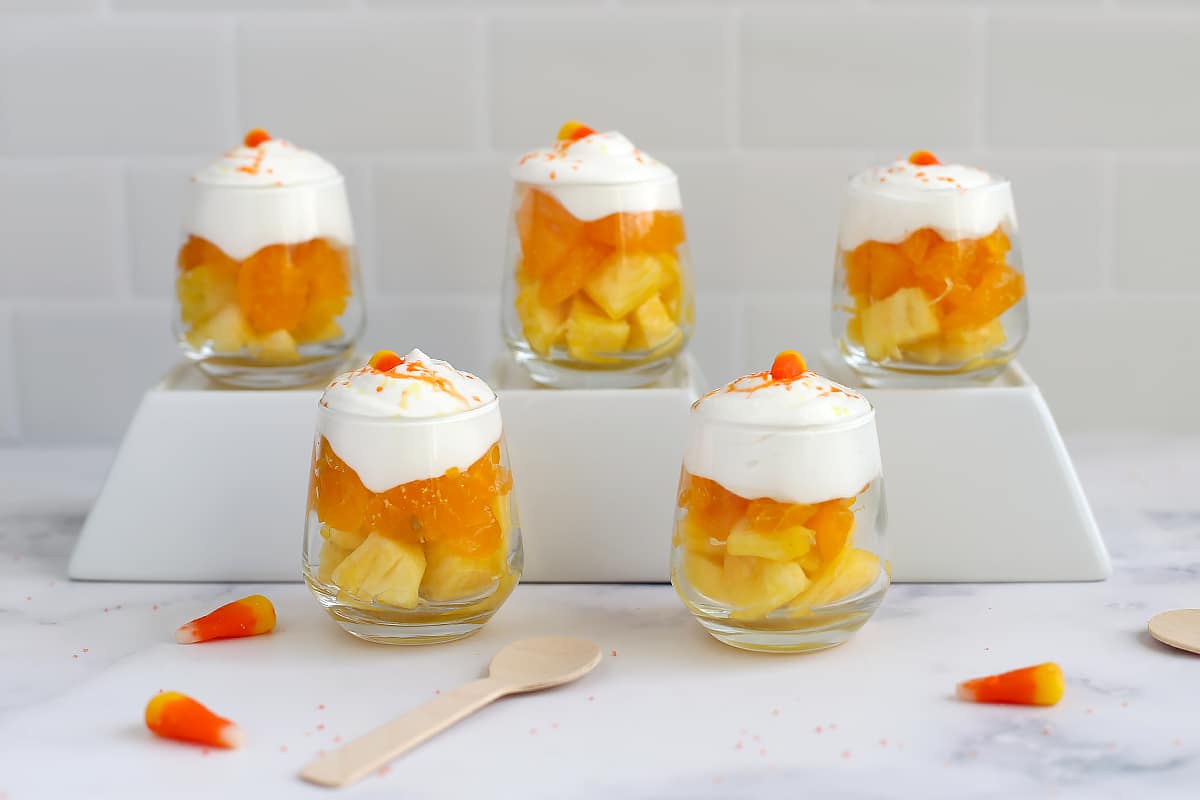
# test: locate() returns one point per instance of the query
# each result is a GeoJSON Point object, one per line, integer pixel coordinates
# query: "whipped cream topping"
{"type": "Point", "coordinates": [600, 174]}
{"type": "Point", "coordinates": [889, 203]}
{"type": "Point", "coordinates": [460, 414]}
{"type": "Point", "coordinates": [798, 440]}
{"type": "Point", "coordinates": [271, 193]}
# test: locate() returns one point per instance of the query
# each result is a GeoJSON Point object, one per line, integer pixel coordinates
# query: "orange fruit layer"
{"type": "Point", "coordinates": [299, 288]}
{"type": "Point", "coordinates": [559, 253]}
{"type": "Point", "coordinates": [454, 509]}
{"type": "Point", "coordinates": [969, 280]}
{"type": "Point", "coordinates": [713, 512]}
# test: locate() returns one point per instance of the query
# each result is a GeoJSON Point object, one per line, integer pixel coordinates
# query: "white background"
{"type": "Point", "coordinates": [763, 109]}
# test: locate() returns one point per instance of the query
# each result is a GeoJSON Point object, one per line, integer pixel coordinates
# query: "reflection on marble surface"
{"type": "Point", "coordinates": [671, 713]}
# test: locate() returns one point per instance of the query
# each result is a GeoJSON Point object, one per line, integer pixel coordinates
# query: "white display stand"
{"type": "Point", "coordinates": [209, 484]}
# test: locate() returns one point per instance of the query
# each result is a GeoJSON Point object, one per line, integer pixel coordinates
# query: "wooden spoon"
{"type": "Point", "coordinates": [524, 666]}
{"type": "Point", "coordinates": [1179, 628]}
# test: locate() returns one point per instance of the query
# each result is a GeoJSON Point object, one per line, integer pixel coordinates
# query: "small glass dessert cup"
{"type": "Point", "coordinates": [928, 281]}
{"type": "Point", "coordinates": [411, 535]}
{"type": "Point", "coordinates": [267, 286]}
{"type": "Point", "coordinates": [778, 542]}
{"type": "Point", "coordinates": [597, 291]}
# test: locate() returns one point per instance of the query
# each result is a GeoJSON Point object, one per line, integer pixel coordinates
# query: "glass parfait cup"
{"type": "Point", "coordinates": [268, 293]}
{"type": "Point", "coordinates": [405, 549]}
{"type": "Point", "coordinates": [597, 300]}
{"type": "Point", "coordinates": [777, 575]}
{"type": "Point", "coordinates": [928, 285]}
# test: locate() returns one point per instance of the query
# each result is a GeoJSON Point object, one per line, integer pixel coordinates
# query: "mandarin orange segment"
{"type": "Point", "coordinates": [547, 232]}
{"type": "Point", "coordinates": [998, 290]}
{"type": "Point", "coordinates": [625, 229]}
{"type": "Point", "coordinates": [341, 498]}
{"type": "Point", "coordinates": [833, 526]}
{"type": "Point", "coordinates": [576, 267]}
{"type": "Point", "coordinates": [327, 268]}
{"type": "Point", "coordinates": [272, 290]}
{"type": "Point", "coordinates": [666, 234]}
{"type": "Point", "coordinates": [198, 250]}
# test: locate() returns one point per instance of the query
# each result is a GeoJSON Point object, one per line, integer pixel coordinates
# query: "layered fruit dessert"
{"type": "Point", "coordinates": [927, 269]}
{"type": "Point", "coordinates": [778, 506]}
{"type": "Point", "coordinates": [600, 274]}
{"type": "Point", "coordinates": [266, 273]}
{"type": "Point", "coordinates": [410, 499]}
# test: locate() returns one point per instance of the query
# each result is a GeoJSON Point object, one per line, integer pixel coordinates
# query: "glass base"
{"type": "Point", "coordinates": [798, 631]}
{"type": "Point", "coordinates": [560, 376]}
{"type": "Point", "coordinates": [912, 375]}
{"type": "Point", "coordinates": [245, 374]}
{"type": "Point", "coordinates": [443, 623]}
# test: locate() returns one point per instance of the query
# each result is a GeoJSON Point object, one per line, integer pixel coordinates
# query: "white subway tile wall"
{"type": "Point", "coordinates": [763, 108]}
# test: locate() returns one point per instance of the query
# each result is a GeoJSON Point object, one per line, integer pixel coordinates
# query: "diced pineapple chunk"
{"type": "Point", "coordinates": [226, 331]}
{"type": "Point", "coordinates": [705, 575]}
{"type": "Point", "coordinates": [851, 572]}
{"type": "Point", "coordinates": [329, 331]}
{"type": "Point", "coordinates": [277, 347]}
{"type": "Point", "coordinates": [623, 282]}
{"type": "Point", "coordinates": [781, 545]}
{"type": "Point", "coordinates": [453, 575]}
{"type": "Point", "coordinates": [205, 290]}
{"type": "Point", "coordinates": [383, 570]}
{"type": "Point", "coordinates": [957, 346]}
{"type": "Point", "coordinates": [903, 318]}
{"type": "Point", "coordinates": [347, 540]}
{"type": "Point", "coordinates": [696, 538]}
{"type": "Point", "coordinates": [542, 324]}
{"type": "Point", "coordinates": [330, 557]}
{"type": "Point", "coordinates": [757, 586]}
{"type": "Point", "coordinates": [652, 325]}
{"type": "Point", "coordinates": [591, 334]}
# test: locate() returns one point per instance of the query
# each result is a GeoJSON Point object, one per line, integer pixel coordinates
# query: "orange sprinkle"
{"type": "Point", "coordinates": [172, 715]}
{"type": "Point", "coordinates": [553, 175]}
{"type": "Point", "coordinates": [923, 158]}
{"type": "Point", "coordinates": [788, 365]}
{"type": "Point", "coordinates": [1040, 685]}
{"type": "Point", "coordinates": [255, 137]}
{"type": "Point", "coordinates": [250, 616]}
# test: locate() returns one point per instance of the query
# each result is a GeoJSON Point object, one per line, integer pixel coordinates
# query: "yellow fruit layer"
{"type": "Point", "coordinates": [600, 288]}
{"type": "Point", "coordinates": [757, 556]}
{"type": "Point", "coordinates": [931, 301]}
{"type": "Point", "coordinates": [435, 540]}
{"type": "Point", "coordinates": [281, 296]}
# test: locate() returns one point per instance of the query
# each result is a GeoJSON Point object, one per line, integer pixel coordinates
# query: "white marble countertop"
{"type": "Point", "coordinates": [669, 713]}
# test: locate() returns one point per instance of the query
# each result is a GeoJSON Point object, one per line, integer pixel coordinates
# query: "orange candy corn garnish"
{"type": "Point", "coordinates": [923, 158]}
{"type": "Point", "coordinates": [249, 616]}
{"type": "Point", "coordinates": [385, 361]}
{"type": "Point", "coordinates": [788, 364]}
{"type": "Point", "coordinates": [1041, 685]}
{"type": "Point", "coordinates": [172, 715]}
{"type": "Point", "coordinates": [255, 137]}
{"type": "Point", "coordinates": [574, 130]}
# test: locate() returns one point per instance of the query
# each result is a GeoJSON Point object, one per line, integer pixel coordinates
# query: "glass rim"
{"type": "Point", "coordinates": [322, 183]}
{"type": "Point", "coordinates": [838, 426]}
{"type": "Point", "coordinates": [672, 178]}
{"type": "Point", "coordinates": [998, 182]}
{"type": "Point", "coordinates": [443, 419]}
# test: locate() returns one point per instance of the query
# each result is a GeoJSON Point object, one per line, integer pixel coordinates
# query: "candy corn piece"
{"type": "Point", "coordinates": [172, 715]}
{"type": "Point", "coordinates": [788, 364]}
{"type": "Point", "coordinates": [1041, 685]}
{"type": "Point", "coordinates": [573, 130]}
{"type": "Point", "coordinates": [923, 158]}
{"type": "Point", "coordinates": [249, 616]}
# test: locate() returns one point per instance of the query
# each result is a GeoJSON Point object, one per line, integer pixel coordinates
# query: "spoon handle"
{"type": "Point", "coordinates": [359, 757]}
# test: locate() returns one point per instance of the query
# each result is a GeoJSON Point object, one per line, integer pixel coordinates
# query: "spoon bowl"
{"type": "Point", "coordinates": [532, 664]}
